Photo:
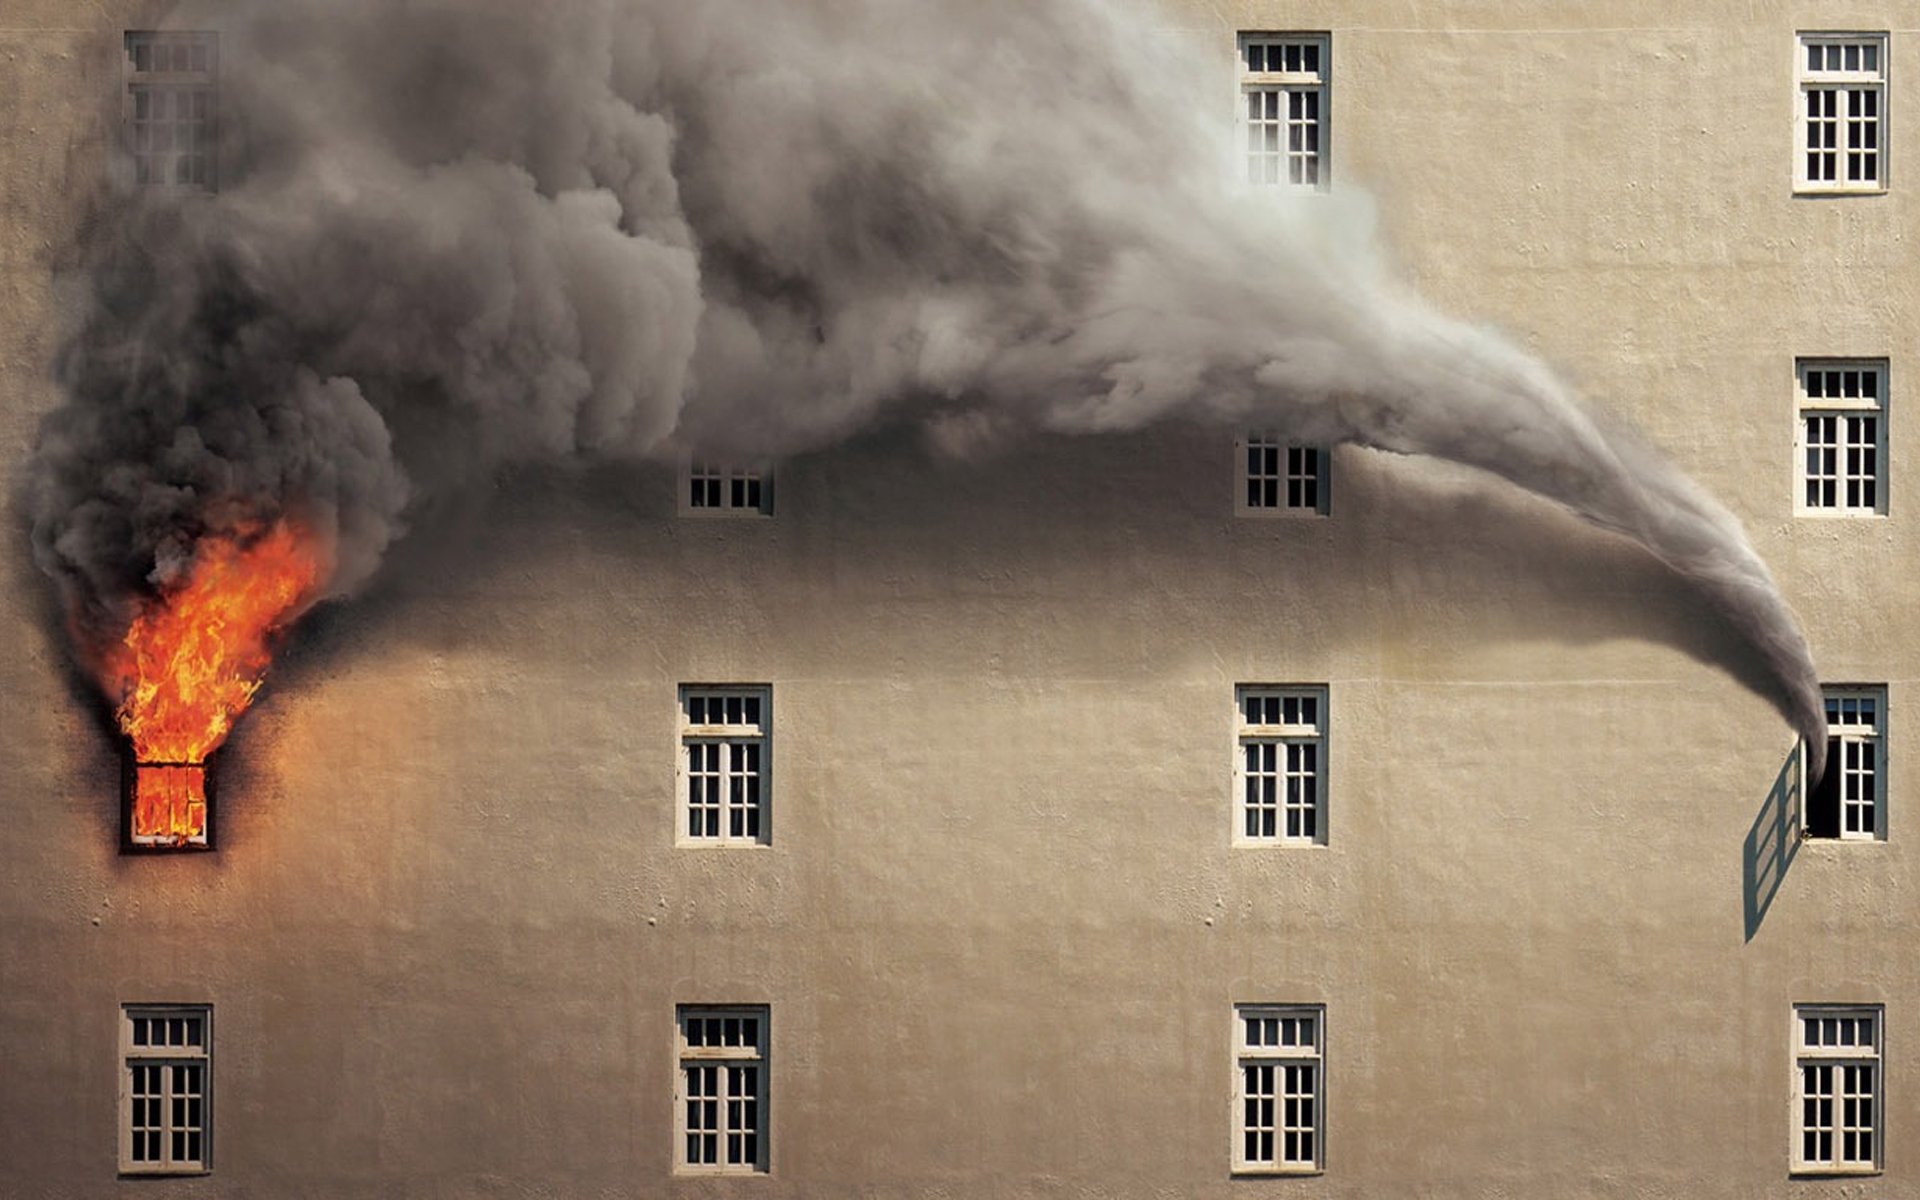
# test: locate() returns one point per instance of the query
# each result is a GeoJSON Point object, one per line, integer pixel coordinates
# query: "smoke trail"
{"type": "Point", "coordinates": [455, 234]}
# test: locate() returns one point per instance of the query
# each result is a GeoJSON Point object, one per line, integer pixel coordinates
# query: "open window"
{"type": "Point", "coordinates": [1846, 804]}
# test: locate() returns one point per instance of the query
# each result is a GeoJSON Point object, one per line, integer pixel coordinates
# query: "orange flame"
{"type": "Point", "coordinates": [169, 804]}
{"type": "Point", "coordinates": [192, 660]}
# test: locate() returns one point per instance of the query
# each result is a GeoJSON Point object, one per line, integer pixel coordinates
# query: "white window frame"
{"type": "Point", "coordinates": [714, 488]}
{"type": "Point", "coordinates": [1309, 735]}
{"type": "Point", "coordinates": [1847, 728]}
{"type": "Point", "coordinates": [167, 86]}
{"type": "Point", "coordinates": [757, 829]}
{"type": "Point", "coordinates": [1286, 76]}
{"type": "Point", "coordinates": [1292, 469]}
{"type": "Point", "coordinates": [1276, 1118]}
{"type": "Point", "coordinates": [724, 1113]}
{"type": "Point", "coordinates": [1835, 1119]}
{"type": "Point", "coordinates": [1847, 88]}
{"type": "Point", "coordinates": [166, 1050]}
{"type": "Point", "coordinates": [1846, 412]}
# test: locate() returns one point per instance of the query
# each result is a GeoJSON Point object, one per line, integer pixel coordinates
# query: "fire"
{"type": "Point", "coordinates": [191, 661]}
{"type": "Point", "coordinates": [169, 804]}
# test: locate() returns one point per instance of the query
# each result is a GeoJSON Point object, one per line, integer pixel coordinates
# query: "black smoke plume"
{"type": "Point", "coordinates": [452, 234]}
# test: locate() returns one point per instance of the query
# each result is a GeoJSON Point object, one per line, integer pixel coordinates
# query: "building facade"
{"type": "Point", "coordinates": [1162, 815]}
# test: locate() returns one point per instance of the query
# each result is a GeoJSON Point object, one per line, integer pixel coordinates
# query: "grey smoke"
{"type": "Point", "coordinates": [453, 234]}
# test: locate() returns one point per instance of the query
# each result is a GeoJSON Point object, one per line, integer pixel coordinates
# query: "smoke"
{"type": "Point", "coordinates": [451, 235]}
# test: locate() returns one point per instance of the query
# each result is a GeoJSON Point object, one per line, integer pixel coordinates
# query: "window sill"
{"type": "Point", "coordinates": [1835, 1172]}
{"type": "Point", "coordinates": [1271, 1172]}
{"type": "Point", "coordinates": [162, 1172]}
{"type": "Point", "coordinates": [1811, 193]}
{"type": "Point", "coordinates": [1839, 514]}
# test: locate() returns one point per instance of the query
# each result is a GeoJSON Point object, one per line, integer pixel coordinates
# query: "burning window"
{"type": "Point", "coordinates": [714, 489]}
{"type": "Point", "coordinates": [1277, 1103]}
{"type": "Point", "coordinates": [722, 1101]}
{"type": "Point", "coordinates": [166, 1089]}
{"type": "Point", "coordinates": [191, 662]}
{"type": "Point", "coordinates": [172, 108]}
{"type": "Point", "coordinates": [1836, 1087]}
{"type": "Point", "coordinates": [169, 807]}
{"type": "Point", "coordinates": [1279, 478]}
{"type": "Point", "coordinates": [1280, 765]}
{"type": "Point", "coordinates": [1283, 113]}
{"type": "Point", "coordinates": [1843, 437]}
{"type": "Point", "coordinates": [1842, 112]}
{"type": "Point", "coordinates": [1846, 802]}
{"type": "Point", "coordinates": [724, 743]}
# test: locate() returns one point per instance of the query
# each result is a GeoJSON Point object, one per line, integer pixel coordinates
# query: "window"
{"type": "Point", "coordinates": [172, 108]}
{"type": "Point", "coordinates": [1843, 79]}
{"type": "Point", "coordinates": [710, 489]}
{"type": "Point", "coordinates": [165, 1091]}
{"type": "Point", "coordinates": [1277, 478]}
{"type": "Point", "coordinates": [724, 731]}
{"type": "Point", "coordinates": [1283, 108]}
{"type": "Point", "coordinates": [1836, 1083]}
{"type": "Point", "coordinates": [1280, 765]}
{"type": "Point", "coordinates": [1843, 432]}
{"type": "Point", "coordinates": [168, 807]}
{"type": "Point", "coordinates": [722, 1104]}
{"type": "Point", "coordinates": [1278, 1096]}
{"type": "Point", "coordinates": [1845, 803]}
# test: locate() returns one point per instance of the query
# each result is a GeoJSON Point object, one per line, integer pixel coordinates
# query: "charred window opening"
{"type": "Point", "coordinates": [168, 806]}
{"type": "Point", "coordinates": [1846, 803]}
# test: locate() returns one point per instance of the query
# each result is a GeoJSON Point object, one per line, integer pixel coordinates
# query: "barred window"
{"type": "Point", "coordinates": [166, 1090]}
{"type": "Point", "coordinates": [1846, 803]}
{"type": "Point", "coordinates": [1843, 433]}
{"type": "Point", "coordinates": [172, 108]}
{"type": "Point", "coordinates": [715, 489]}
{"type": "Point", "coordinates": [1842, 112]}
{"type": "Point", "coordinates": [1283, 114]}
{"type": "Point", "coordinates": [722, 1103]}
{"type": "Point", "coordinates": [1280, 764]}
{"type": "Point", "coordinates": [1279, 1092]}
{"type": "Point", "coordinates": [1837, 1088]}
{"type": "Point", "coordinates": [1279, 478]}
{"type": "Point", "coordinates": [725, 734]}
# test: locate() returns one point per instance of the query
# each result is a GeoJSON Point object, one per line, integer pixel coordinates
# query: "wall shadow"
{"type": "Point", "coordinates": [1771, 843]}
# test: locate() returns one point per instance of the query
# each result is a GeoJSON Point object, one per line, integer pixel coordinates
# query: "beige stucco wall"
{"type": "Point", "coordinates": [1000, 927]}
